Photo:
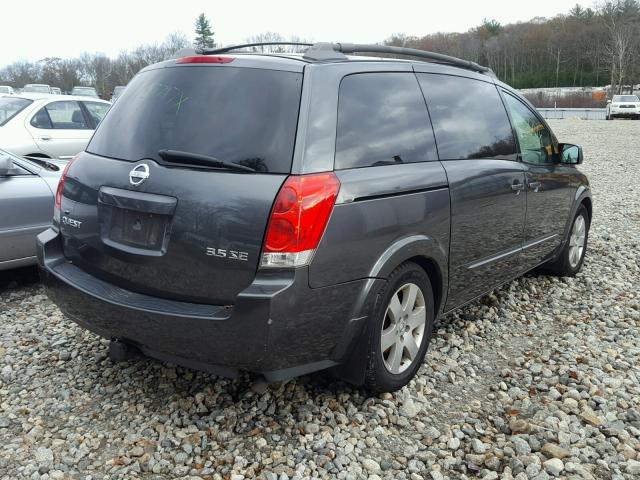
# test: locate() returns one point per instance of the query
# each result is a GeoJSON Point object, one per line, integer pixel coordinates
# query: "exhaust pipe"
{"type": "Point", "coordinates": [120, 351]}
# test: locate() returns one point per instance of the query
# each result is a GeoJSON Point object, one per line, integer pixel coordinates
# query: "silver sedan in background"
{"type": "Point", "coordinates": [27, 192]}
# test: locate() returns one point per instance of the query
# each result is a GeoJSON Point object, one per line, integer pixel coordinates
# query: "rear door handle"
{"type": "Point", "coordinates": [535, 186]}
{"type": "Point", "coordinates": [517, 187]}
{"type": "Point", "coordinates": [45, 137]}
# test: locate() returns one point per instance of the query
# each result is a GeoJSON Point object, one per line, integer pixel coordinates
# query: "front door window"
{"type": "Point", "coordinates": [536, 143]}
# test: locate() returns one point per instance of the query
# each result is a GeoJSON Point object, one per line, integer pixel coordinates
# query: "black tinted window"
{"type": "Point", "coordinates": [242, 115]}
{"type": "Point", "coordinates": [468, 117]}
{"type": "Point", "coordinates": [382, 120]}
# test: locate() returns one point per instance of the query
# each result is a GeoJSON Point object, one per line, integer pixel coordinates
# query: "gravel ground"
{"type": "Point", "coordinates": [540, 379]}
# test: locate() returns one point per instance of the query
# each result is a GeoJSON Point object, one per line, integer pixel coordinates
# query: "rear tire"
{"type": "Point", "coordinates": [400, 329]}
{"type": "Point", "coordinates": [572, 256]}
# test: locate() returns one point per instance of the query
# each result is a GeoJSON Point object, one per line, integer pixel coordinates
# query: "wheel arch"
{"type": "Point", "coordinates": [434, 272]}
{"type": "Point", "coordinates": [422, 250]}
{"type": "Point", "coordinates": [582, 197]}
{"type": "Point", "coordinates": [586, 201]}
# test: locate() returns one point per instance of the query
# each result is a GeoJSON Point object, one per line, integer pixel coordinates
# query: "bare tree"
{"type": "Point", "coordinates": [267, 37]}
{"type": "Point", "coordinates": [566, 50]}
{"type": "Point", "coordinates": [621, 18]}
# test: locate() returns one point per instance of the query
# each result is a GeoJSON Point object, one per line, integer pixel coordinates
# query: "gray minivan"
{"type": "Point", "coordinates": [283, 213]}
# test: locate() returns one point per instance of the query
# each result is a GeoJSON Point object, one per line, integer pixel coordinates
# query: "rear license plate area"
{"type": "Point", "coordinates": [135, 222]}
{"type": "Point", "coordinates": [136, 229]}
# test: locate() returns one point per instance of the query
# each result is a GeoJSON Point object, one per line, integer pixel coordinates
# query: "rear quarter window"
{"type": "Point", "coordinates": [382, 120]}
{"type": "Point", "coordinates": [242, 115]}
{"type": "Point", "coordinates": [10, 107]}
{"type": "Point", "coordinates": [469, 118]}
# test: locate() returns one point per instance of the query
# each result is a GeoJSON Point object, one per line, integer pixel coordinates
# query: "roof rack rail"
{"type": "Point", "coordinates": [213, 51]}
{"type": "Point", "coordinates": [413, 52]}
{"type": "Point", "coordinates": [335, 51]}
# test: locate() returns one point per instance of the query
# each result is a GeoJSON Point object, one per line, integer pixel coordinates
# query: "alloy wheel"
{"type": "Point", "coordinates": [577, 240]}
{"type": "Point", "coordinates": [403, 328]}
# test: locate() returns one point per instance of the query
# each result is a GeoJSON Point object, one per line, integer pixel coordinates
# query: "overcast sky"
{"type": "Point", "coordinates": [36, 29]}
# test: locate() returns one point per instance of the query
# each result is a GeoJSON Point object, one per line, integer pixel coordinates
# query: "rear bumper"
{"type": "Point", "coordinates": [625, 113]}
{"type": "Point", "coordinates": [278, 326]}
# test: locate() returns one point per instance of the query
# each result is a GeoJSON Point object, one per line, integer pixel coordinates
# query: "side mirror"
{"type": "Point", "coordinates": [608, 101]}
{"type": "Point", "coordinates": [6, 165]}
{"type": "Point", "coordinates": [570, 154]}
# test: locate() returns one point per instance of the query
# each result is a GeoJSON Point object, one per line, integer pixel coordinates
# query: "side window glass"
{"type": "Point", "coordinates": [41, 119]}
{"type": "Point", "coordinates": [469, 118]}
{"type": "Point", "coordinates": [382, 120]}
{"type": "Point", "coordinates": [66, 116]}
{"type": "Point", "coordinates": [97, 111]}
{"type": "Point", "coordinates": [536, 145]}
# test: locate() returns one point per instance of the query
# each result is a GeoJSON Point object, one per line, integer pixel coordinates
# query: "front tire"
{"type": "Point", "coordinates": [571, 258]}
{"type": "Point", "coordinates": [400, 329]}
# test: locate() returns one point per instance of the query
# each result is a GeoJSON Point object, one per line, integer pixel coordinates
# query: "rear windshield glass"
{"type": "Point", "coordinates": [241, 115]}
{"type": "Point", "coordinates": [37, 89]}
{"type": "Point", "coordinates": [10, 107]}
{"type": "Point", "coordinates": [83, 91]}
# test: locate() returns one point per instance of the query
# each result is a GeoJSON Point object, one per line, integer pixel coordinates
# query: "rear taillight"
{"type": "Point", "coordinates": [298, 219]}
{"type": "Point", "coordinates": [58, 198]}
{"type": "Point", "coordinates": [205, 59]}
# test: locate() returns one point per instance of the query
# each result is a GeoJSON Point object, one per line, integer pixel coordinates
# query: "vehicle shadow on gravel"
{"type": "Point", "coordinates": [18, 277]}
{"type": "Point", "coordinates": [148, 376]}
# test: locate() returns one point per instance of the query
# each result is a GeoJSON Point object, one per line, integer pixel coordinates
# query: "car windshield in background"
{"type": "Point", "coordinates": [36, 89]}
{"type": "Point", "coordinates": [85, 92]}
{"type": "Point", "coordinates": [241, 115]}
{"type": "Point", "coordinates": [625, 98]}
{"type": "Point", "coordinates": [10, 107]}
{"type": "Point", "coordinates": [5, 90]}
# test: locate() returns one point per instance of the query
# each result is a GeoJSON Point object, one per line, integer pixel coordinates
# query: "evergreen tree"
{"type": "Point", "coordinates": [204, 35]}
{"type": "Point", "coordinates": [493, 27]}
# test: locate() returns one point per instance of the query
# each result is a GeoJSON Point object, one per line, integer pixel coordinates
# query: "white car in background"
{"type": "Point", "coordinates": [117, 91]}
{"type": "Point", "coordinates": [37, 88]}
{"type": "Point", "coordinates": [48, 126]}
{"type": "Point", "coordinates": [6, 90]}
{"type": "Point", "coordinates": [623, 106]}
{"type": "Point", "coordinates": [84, 92]}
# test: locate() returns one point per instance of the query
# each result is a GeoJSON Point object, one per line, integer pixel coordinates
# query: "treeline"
{"type": "Point", "coordinates": [585, 47]}
{"type": "Point", "coordinates": [92, 69]}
